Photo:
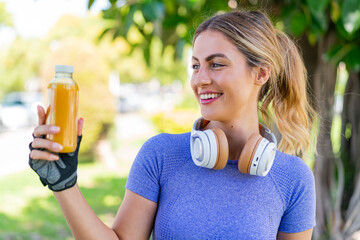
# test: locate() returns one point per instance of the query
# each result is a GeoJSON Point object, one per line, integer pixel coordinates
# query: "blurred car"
{"type": "Point", "coordinates": [19, 109]}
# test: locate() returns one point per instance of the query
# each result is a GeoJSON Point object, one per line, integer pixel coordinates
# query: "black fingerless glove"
{"type": "Point", "coordinates": [60, 174]}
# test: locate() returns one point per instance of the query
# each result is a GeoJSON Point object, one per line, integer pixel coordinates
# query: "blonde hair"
{"type": "Point", "coordinates": [286, 92]}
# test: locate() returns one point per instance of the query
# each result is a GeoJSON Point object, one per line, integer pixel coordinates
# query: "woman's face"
{"type": "Point", "coordinates": [223, 83]}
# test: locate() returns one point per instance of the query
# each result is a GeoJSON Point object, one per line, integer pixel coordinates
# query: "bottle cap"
{"type": "Point", "coordinates": [64, 68]}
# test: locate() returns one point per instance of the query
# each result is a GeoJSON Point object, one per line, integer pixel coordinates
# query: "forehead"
{"type": "Point", "coordinates": [211, 42]}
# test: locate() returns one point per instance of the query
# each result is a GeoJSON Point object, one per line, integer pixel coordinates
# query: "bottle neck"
{"type": "Point", "coordinates": [63, 75]}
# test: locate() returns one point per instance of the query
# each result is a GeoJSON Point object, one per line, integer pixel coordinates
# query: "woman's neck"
{"type": "Point", "coordinates": [237, 130]}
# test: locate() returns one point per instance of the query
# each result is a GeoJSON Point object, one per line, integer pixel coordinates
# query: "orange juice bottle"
{"type": "Point", "coordinates": [63, 101]}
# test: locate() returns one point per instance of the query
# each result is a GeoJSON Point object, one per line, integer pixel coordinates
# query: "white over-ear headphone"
{"type": "Point", "coordinates": [210, 149]}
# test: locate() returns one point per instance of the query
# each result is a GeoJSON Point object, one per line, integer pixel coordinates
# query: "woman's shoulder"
{"type": "Point", "coordinates": [162, 154]}
{"type": "Point", "coordinates": [155, 162]}
{"type": "Point", "coordinates": [291, 168]}
{"type": "Point", "coordinates": [159, 147]}
{"type": "Point", "coordinates": [290, 163]}
{"type": "Point", "coordinates": [168, 140]}
{"type": "Point", "coordinates": [295, 182]}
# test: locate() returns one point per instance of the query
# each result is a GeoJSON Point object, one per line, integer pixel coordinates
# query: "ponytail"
{"type": "Point", "coordinates": [288, 94]}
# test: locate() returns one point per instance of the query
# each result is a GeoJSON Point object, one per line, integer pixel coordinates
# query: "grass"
{"type": "Point", "coordinates": [29, 211]}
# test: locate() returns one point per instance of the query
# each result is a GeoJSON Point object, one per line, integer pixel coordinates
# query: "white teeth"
{"type": "Point", "coordinates": [209, 96]}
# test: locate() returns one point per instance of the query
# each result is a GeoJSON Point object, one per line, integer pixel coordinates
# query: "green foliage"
{"type": "Point", "coordinates": [30, 211]}
{"type": "Point", "coordinates": [189, 102]}
{"type": "Point", "coordinates": [18, 63]}
{"type": "Point", "coordinates": [298, 23]}
{"type": "Point", "coordinates": [180, 119]}
{"type": "Point", "coordinates": [177, 121]}
{"type": "Point", "coordinates": [171, 21]}
{"type": "Point", "coordinates": [315, 18]}
{"type": "Point", "coordinates": [140, 23]}
{"type": "Point", "coordinates": [351, 15]}
{"type": "Point", "coordinates": [163, 66]}
{"type": "Point", "coordinates": [5, 16]}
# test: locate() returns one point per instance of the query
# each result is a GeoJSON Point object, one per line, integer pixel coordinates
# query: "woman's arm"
{"type": "Point", "coordinates": [136, 215]}
{"type": "Point", "coordinates": [135, 218]}
{"type": "Point", "coordinates": [83, 222]}
{"type": "Point", "coordinates": [305, 235]}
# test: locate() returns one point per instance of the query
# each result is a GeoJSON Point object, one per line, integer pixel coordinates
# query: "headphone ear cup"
{"type": "Point", "coordinates": [222, 148]}
{"type": "Point", "coordinates": [248, 152]}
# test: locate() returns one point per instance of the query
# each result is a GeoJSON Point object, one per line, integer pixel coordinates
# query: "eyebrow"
{"type": "Point", "coordinates": [208, 58]}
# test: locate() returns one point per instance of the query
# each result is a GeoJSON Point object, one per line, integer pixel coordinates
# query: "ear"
{"type": "Point", "coordinates": [263, 75]}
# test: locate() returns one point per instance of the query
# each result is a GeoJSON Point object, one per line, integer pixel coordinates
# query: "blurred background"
{"type": "Point", "coordinates": [131, 61]}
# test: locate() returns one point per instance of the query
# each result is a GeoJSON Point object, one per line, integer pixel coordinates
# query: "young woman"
{"type": "Point", "coordinates": [238, 60]}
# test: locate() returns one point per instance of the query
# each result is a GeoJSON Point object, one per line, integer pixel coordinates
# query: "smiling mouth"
{"type": "Point", "coordinates": [210, 96]}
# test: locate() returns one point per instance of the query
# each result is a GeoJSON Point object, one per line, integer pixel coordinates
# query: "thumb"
{"type": "Point", "coordinates": [41, 115]}
{"type": "Point", "coordinates": [80, 126]}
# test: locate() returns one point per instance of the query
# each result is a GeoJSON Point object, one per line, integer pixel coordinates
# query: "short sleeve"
{"type": "Point", "coordinates": [144, 174]}
{"type": "Point", "coordinates": [300, 209]}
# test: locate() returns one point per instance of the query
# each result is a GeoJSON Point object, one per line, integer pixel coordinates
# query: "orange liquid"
{"type": "Point", "coordinates": [62, 112]}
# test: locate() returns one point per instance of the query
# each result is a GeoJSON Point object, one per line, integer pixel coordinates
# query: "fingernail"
{"type": "Point", "coordinates": [54, 128]}
{"type": "Point", "coordinates": [57, 146]}
{"type": "Point", "coordinates": [54, 157]}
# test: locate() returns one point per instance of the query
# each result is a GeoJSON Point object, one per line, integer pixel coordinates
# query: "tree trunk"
{"type": "Point", "coordinates": [350, 149]}
{"type": "Point", "coordinates": [328, 214]}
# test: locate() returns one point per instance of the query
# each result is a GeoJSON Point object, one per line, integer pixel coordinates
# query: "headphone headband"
{"type": "Point", "coordinates": [266, 133]}
{"type": "Point", "coordinates": [199, 124]}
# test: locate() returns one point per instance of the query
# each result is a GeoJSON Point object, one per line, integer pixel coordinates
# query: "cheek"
{"type": "Point", "coordinates": [239, 88]}
{"type": "Point", "coordinates": [244, 80]}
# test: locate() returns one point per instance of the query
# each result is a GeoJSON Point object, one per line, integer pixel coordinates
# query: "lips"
{"type": "Point", "coordinates": [206, 98]}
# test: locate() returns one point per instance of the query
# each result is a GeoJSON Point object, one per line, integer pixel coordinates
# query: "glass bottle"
{"type": "Point", "coordinates": [62, 110]}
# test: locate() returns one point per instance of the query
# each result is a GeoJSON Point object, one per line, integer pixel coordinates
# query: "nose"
{"type": "Point", "coordinates": [201, 77]}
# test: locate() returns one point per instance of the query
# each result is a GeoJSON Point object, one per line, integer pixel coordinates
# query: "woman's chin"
{"type": "Point", "coordinates": [210, 115]}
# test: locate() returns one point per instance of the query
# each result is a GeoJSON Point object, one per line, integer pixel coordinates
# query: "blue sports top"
{"type": "Point", "coordinates": [200, 203]}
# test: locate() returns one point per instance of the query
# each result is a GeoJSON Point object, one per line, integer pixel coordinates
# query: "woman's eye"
{"type": "Point", "coordinates": [195, 66]}
{"type": "Point", "coordinates": [216, 65]}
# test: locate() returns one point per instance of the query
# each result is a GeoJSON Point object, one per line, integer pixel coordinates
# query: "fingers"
{"type": "Point", "coordinates": [39, 144]}
{"type": "Point", "coordinates": [41, 115]}
{"type": "Point", "coordinates": [46, 129]}
{"type": "Point", "coordinates": [54, 130]}
{"type": "Point", "coordinates": [80, 126]}
{"type": "Point", "coordinates": [47, 144]}
{"type": "Point", "coordinates": [42, 155]}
